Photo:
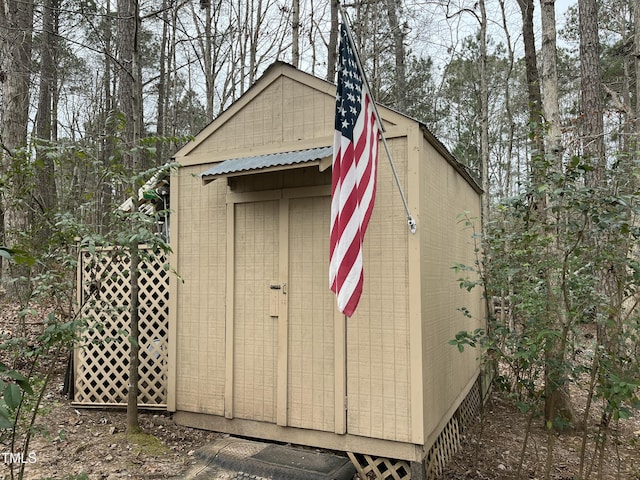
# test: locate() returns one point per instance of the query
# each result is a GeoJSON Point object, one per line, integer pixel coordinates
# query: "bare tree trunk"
{"type": "Point", "coordinates": [556, 400]}
{"type": "Point", "coordinates": [295, 33]}
{"type": "Point", "coordinates": [397, 32]}
{"type": "Point", "coordinates": [550, 105]}
{"type": "Point", "coordinates": [130, 90]}
{"type": "Point", "coordinates": [133, 426]}
{"type": "Point", "coordinates": [312, 35]}
{"type": "Point", "coordinates": [333, 43]}
{"type": "Point", "coordinates": [253, 44]}
{"type": "Point", "coordinates": [172, 96]}
{"type": "Point", "coordinates": [108, 143]}
{"type": "Point", "coordinates": [209, 62]}
{"type": "Point", "coordinates": [210, 39]}
{"type": "Point", "coordinates": [557, 396]}
{"type": "Point", "coordinates": [508, 189]}
{"type": "Point", "coordinates": [16, 30]}
{"type": "Point", "coordinates": [636, 13]}
{"type": "Point", "coordinates": [533, 81]}
{"type": "Point", "coordinates": [484, 114]}
{"type": "Point", "coordinates": [45, 195]}
{"type": "Point", "coordinates": [130, 97]}
{"type": "Point", "coordinates": [55, 93]}
{"type": "Point", "coordinates": [161, 146]}
{"type": "Point", "coordinates": [590, 83]}
{"type": "Point", "coordinates": [626, 107]}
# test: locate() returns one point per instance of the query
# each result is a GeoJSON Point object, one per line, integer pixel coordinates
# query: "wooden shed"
{"type": "Point", "coordinates": [257, 345]}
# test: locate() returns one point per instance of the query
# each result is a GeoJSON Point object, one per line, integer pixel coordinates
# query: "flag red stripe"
{"type": "Point", "coordinates": [355, 160]}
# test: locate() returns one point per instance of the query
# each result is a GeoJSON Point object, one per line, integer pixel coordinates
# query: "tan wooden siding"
{"type": "Point", "coordinates": [311, 376]}
{"type": "Point", "coordinates": [297, 178]}
{"type": "Point", "coordinates": [306, 111]}
{"type": "Point", "coordinates": [200, 306]}
{"type": "Point", "coordinates": [445, 195]}
{"type": "Point", "coordinates": [262, 122]}
{"type": "Point", "coordinates": [378, 354]}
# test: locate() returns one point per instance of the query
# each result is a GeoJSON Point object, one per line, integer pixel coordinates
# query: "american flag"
{"type": "Point", "coordinates": [355, 162]}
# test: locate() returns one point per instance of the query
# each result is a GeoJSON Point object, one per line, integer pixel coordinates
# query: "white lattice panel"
{"type": "Point", "coordinates": [380, 468]}
{"type": "Point", "coordinates": [448, 442]}
{"type": "Point", "coordinates": [102, 357]}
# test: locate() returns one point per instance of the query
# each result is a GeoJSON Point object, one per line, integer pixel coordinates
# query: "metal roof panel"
{"type": "Point", "coordinates": [254, 164]}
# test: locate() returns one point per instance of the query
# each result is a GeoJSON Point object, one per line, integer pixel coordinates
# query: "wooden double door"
{"type": "Point", "coordinates": [287, 340]}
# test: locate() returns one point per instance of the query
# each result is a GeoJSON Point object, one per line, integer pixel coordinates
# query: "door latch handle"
{"type": "Point", "coordinates": [276, 286]}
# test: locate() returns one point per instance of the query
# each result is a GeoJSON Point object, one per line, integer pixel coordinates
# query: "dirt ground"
{"type": "Point", "coordinates": [73, 443]}
{"type": "Point", "coordinates": [492, 449]}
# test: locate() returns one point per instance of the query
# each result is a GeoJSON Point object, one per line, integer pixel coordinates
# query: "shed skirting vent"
{"type": "Point", "coordinates": [380, 467]}
{"type": "Point", "coordinates": [101, 360]}
{"type": "Point", "coordinates": [443, 449]}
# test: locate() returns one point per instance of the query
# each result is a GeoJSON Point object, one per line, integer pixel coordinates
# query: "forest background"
{"type": "Point", "coordinates": [96, 96]}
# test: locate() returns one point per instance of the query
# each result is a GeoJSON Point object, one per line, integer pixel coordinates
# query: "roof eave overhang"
{"type": "Point", "coordinates": [320, 157]}
{"type": "Point", "coordinates": [322, 166]}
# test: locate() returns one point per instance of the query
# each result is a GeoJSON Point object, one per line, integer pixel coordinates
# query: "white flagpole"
{"type": "Point", "coordinates": [410, 220]}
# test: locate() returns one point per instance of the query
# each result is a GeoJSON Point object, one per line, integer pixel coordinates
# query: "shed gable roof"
{"type": "Point", "coordinates": [286, 110]}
